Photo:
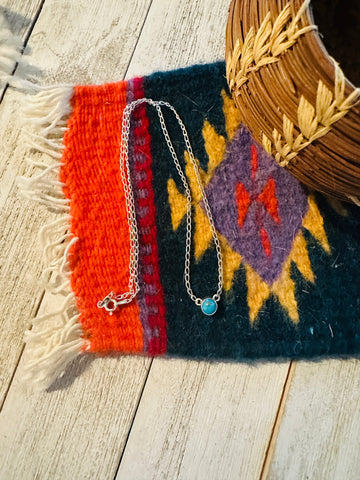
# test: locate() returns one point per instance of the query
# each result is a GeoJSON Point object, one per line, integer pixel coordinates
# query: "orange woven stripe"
{"type": "Point", "coordinates": [99, 260]}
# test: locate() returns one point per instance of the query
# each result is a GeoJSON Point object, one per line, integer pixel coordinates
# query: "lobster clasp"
{"type": "Point", "coordinates": [109, 303]}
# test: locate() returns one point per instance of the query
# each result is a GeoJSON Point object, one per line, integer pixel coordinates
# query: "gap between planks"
{"type": "Point", "coordinates": [20, 355]}
{"type": "Point", "coordinates": [277, 423]}
{"type": "Point", "coordinates": [137, 42]}
{"type": "Point", "coordinates": [25, 42]}
{"type": "Point", "coordinates": [2, 96]}
{"type": "Point", "coordinates": [133, 418]}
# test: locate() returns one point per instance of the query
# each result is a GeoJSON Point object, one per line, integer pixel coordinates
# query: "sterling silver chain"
{"type": "Point", "coordinates": [111, 301]}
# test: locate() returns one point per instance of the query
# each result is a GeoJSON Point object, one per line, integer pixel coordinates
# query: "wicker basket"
{"type": "Point", "coordinates": [293, 96]}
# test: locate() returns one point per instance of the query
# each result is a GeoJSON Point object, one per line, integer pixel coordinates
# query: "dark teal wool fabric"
{"type": "Point", "coordinates": [293, 289]}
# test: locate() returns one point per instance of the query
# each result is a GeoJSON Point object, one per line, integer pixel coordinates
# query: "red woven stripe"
{"type": "Point", "coordinates": [147, 227]}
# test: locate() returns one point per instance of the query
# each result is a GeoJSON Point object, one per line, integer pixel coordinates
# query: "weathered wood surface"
{"type": "Point", "coordinates": [77, 429]}
{"type": "Point", "coordinates": [178, 34]}
{"type": "Point", "coordinates": [203, 421]}
{"type": "Point", "coordinates": [20, 17]}
{"type": "Point", "coordinates": [192, 420]}
{"type": "Point", "coordinates": [320, 431]}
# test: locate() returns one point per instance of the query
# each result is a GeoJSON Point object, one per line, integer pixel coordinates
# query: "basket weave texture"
{"type": "Point", "coordinates": [293, 96]}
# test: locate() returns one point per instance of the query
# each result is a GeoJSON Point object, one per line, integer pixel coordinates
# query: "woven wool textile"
{"type": "Point", "coordinates": [291, 263]}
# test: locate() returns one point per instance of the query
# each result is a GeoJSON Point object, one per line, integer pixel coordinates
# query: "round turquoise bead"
{"type": "Point", "coordinates": [208, 306]}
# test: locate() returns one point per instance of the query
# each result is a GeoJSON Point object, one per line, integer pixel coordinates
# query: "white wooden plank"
{"type": "Point", "coordinates": [320, 432]}
{"type": "Point", "coordinates": [204, 421]}
{"type": "Point", "coordinates": [70, 43]}
{"type": "Point", "coordinates": [180, 33]}
{"type": "Point", "coordinates": [20, 17]}
{"type": "Point", "coordinates": [90, 42]}
{"type": "Point", "coordinates": [76, 430]}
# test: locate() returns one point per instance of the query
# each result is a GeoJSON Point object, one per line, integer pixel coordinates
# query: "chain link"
{"type": "Point", "coordinates": [111, 301]}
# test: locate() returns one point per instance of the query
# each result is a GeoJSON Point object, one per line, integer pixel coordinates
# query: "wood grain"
{"type": "Point", "coordinates": [204, 421]}
{"type": "Point", "coordinates": [20, 17]}
{"type": "Point", "coordinates": [77, 430]}
{"type": "Point", "coordinates": [178, 34]}
{"type": "Point", "coordinates": [320, 430]}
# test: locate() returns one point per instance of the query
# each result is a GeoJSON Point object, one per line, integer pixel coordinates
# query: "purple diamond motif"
{"type": "Point", "coordinates": [263, 238]}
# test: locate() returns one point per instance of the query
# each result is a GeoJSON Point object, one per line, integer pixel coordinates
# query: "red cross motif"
{"type": "Point", "coordinates": [267, 197]}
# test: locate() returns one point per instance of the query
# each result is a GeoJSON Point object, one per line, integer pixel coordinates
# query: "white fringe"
{"type": "Point", "coordinates": [45, 116]}
{"type": "Point", "coordinates": [56, 338]}
{"type": "Point", "coordinates": [52, 345]}
{"type": "Point", "coordinates": [56, 243]}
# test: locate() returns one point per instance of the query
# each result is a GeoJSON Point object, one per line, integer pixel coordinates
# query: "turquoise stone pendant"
{"type": "Point", "coordinates": [208, 306]}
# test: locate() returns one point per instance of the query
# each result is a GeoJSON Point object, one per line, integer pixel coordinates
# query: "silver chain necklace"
{"type": "Point", "coordinates": [112, 301]}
